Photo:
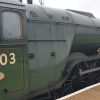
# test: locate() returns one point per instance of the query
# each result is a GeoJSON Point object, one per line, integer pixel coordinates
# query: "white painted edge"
{"type": "Point", "coordinates": [77, 92]}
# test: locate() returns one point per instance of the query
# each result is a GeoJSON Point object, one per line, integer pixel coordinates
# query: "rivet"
{"type": "Point", "coordinates": [33, 14]}
{"type": "Point", "coordinates": [50, 16]}
{"type": "Point", "coordinates": [31, 56]}
{"type": "Point", "coordinates": [53, 54]}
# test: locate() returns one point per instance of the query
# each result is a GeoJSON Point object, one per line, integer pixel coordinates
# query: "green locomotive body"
{"type": "Point", "coordinates": [41, 49]}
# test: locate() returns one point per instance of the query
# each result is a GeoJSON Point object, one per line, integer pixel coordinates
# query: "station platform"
{"type": "Point", "coordinates": [88, 93]}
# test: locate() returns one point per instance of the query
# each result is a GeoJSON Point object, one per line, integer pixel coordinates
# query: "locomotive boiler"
{"type": "Point", "coordinates": [46, 53]}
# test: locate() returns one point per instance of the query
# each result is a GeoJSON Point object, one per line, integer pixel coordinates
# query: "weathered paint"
{"type": "Point", "coordinates": [50, 37]}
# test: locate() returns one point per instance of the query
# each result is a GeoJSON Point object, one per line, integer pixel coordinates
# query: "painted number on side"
{"type": "Point", "coordinates": [4, 59]}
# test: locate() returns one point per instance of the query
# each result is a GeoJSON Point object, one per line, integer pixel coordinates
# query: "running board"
{"type": "Point", "coordinates": [88, 71]}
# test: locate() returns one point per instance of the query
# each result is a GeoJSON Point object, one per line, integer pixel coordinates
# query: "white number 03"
{"type": "Point", "coordinates": [4, 59]}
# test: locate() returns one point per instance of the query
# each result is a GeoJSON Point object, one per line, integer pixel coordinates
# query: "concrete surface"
{"type": "Point", "coordinates": [89, 93]}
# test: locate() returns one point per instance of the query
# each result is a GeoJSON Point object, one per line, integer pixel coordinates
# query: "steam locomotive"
{"type": "Point", "coordinates": [46, 53]}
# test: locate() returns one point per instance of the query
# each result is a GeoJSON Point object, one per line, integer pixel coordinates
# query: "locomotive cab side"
{"type": "Point", "coordinates": [12, 50]}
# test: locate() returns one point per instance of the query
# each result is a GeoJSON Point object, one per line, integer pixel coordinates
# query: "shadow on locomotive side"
{"type": "Point", "coordinates": [46, 53]}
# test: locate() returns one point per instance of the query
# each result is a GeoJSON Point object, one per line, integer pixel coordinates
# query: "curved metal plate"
{"type": "Point", "coordinates": [48, 14]}
{"type": "Point", "coordinates": [81, 19]}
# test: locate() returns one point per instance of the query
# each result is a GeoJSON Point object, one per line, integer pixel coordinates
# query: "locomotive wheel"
{"type": "Point", "coordinates": [78, 80]}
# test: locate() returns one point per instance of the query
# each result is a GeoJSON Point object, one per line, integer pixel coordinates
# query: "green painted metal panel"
{"type": "Point", "coordinates": [57, 32]}
{"type": "Point", "coordinates": [38, 31]}
{"type": "Point", "coordinates": [11, 64]}
{"type": "Point", "coordinates": [45, 38]}
{"type": "Point", "coordinates": [42, 66]}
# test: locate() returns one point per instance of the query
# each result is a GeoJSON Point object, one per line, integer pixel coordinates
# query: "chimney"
{"type": "Point", "coordinates": [29, 1]}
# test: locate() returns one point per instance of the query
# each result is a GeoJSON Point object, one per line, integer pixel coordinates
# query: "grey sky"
{"type": "Point", "coordinates": [92, 6]}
